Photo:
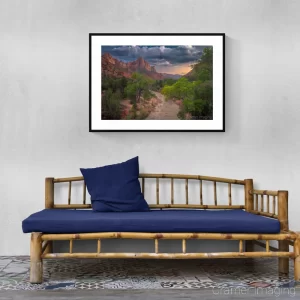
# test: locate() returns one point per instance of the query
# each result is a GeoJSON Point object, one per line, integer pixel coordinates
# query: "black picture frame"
{"type": "Point", "coordinates": [222, 35]}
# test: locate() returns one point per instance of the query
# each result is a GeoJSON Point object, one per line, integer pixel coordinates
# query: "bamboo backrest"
{"type": "Point", "coordinates": [265, 202]}
{"type": "Point", "coordinates": [262, 202]}
{"type": "Point", "coordinates": [172, 177]}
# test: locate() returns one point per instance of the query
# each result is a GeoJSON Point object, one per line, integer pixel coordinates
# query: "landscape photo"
{"type": "Point", "coordinates": [156, 82]}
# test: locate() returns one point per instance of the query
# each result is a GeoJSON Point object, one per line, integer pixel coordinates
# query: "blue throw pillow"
{"type": "Point", "coordinates": [115, 187]}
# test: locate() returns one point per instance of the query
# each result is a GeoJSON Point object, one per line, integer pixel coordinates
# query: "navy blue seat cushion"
{"type": "Point", "coordinates": [83, 221]}
{"type": "Point", "coordinates": [115, 187]}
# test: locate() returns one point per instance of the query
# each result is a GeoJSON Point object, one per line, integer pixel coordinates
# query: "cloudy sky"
{"type": "Point", "coordinates": [166, 59]}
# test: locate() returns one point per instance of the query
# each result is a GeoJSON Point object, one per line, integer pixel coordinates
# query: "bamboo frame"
{"type": "Point", "coordinates": [99, 246]}
{"type": "Point", "coordinates": [41, 244]}
{"type": "Point", "coordinates": [241, 246]}
{"type": "Point", "coordinates": [143, 176]}
{"type": "Point", "coordinates": [267, 246]}
{"type": "Point", "coordinates": [265, 192]}
{"type": "Point", "coordinates": [38, 239]}
{"type": "Point", "coordinates": [172, 191]}
{"type": "Point", "coordinates": [168, 236]}
{"type": "Point", "coordinates": [229, 194]}
{"type": "Point", "coordinates": [71, 246]}
{"type": "Point", "coordinates": [256, 202]}
{"type": "Point", "coordinates": [143, 186]}
{"type": "Point", "coordinates": [262, 203]}
{"type": "Point", "coordinates": [174, 176]}
{"type": "Point", "coordinates": [186, 191]}
{"type": "Point", "coordinates": [156, 245]}
{"type": "Point", "coordinates": [283, 210]}
{"type": "Point", "coordinates": [201, 192]}
{"type": "Point", "coordinates": [157, 191]}
{"type": "Point", "coordinates": [45, 245]}
{"type": "Point", "coordinates": [172, 255]}
{"type": "Point", "coordinates": [274, 205]}
{"type": "Point", "coordinates": [49, 192]}
{"type": "Point", "coordinates": [191, 206]}
{"type": "Point", "coordinates": [36, 263]}
{"type": "Point", "coordinates": [248, 195]}
{"type": "Point", "coordinates": [84, 193]}
{"type": "Point", "coordinates": [283, 264]}
{"type": "Point", "coordinates": [37, 253]}
{"type": "Point", "coordinates": [297, 260]}
{"type": "Point", "coordinates": [215, 194]}
{"type": "Point", "coordinates": [69, 194]}
{"type": "Point", "coordinates": [183, 246]}
{"type": "Point", "coordinates": [72, 206]}
{"type": "Point", "coordinates": [49, 203]}
{"type": "Point", "coordinates": [249, 206]}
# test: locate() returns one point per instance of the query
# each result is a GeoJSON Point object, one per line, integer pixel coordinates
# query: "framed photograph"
{"type": "Point", "coordinates": [157, 82]}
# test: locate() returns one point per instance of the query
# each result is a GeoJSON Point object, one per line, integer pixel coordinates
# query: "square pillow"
{"type": "Point", "coordinates": [115, 187]}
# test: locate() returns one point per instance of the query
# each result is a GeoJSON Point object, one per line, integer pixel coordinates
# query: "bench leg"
{"type": "Point", "coordinates": [297, 260]}
{"type": "Point", "coordinates": [36, 264]}
{"type": "Point", "coordinates": [283, 262]}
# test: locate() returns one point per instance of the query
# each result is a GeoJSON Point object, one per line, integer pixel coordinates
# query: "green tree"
{"type": "Point", "coordinates": [195, 90]}
{"type": "Point", "coordinates": [168, 81]}
{"type": "Point", "coordinates": [204, 90]}
{"type": "Point", "coordinates": [207, 56]}
{"type": "Point", "coordinates": [181, 89]}
{"type": "Point", "coordinates": [168, 91]}
{"type": "Point", "coordinates": [138, 85]}
{"type": "Point", "coordinates": [111, 105]}
{"type": "Point", "coordinates": [203, 69]}
{"type": "Point", "coordinates": [114, 84]}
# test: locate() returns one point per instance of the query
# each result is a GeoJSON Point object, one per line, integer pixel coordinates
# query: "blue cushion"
{"type": "Point", "coordinates": [173, 220]}
{"type": "Point", "coordinates": [115, 187]}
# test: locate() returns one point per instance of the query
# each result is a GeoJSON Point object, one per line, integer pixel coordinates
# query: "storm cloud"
{"type": "Point", "coordinates": [157, 55]}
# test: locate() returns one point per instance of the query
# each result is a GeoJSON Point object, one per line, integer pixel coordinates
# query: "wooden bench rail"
{"type": "Point", "coordinates": [187, 206]}
{"type": "Point", "coordinates": [174, 176]}
{"type": "Point", "coordinates": [156, 238]}
{"type": "Point", "coordinates": [40, 243]}
{"type": "Point", "coordinates": [264, 192]}
{"type": "Point", "coordinates": [51, 181]}
{"type": "Point", "coordinates": [172, 255]}
{"type": "Point", "coordinates": [168, 236]}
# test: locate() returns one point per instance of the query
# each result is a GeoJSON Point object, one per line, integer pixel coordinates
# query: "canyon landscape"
{"type": "Point", "coordinates": [156, 83]}
{"type": "Point", "coordinates": [112, 67]}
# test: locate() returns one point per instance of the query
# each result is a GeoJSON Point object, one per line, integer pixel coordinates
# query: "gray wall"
{"type": "Point", "coordinates": [44, 98]}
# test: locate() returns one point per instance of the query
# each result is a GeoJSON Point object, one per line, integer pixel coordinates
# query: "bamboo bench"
{"type": "Point", "coordinates": [259, 202]}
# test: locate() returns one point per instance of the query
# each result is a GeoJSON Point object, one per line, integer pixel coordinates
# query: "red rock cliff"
{"type": "Point", "coordinates": [115, 68]}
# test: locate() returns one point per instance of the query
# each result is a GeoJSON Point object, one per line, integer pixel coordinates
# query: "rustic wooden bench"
{"type": "Point", "coordinates": [270, 204]}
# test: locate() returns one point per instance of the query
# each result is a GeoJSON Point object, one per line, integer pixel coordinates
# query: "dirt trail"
{"type": "Point", "coordinates": [165, 110]}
